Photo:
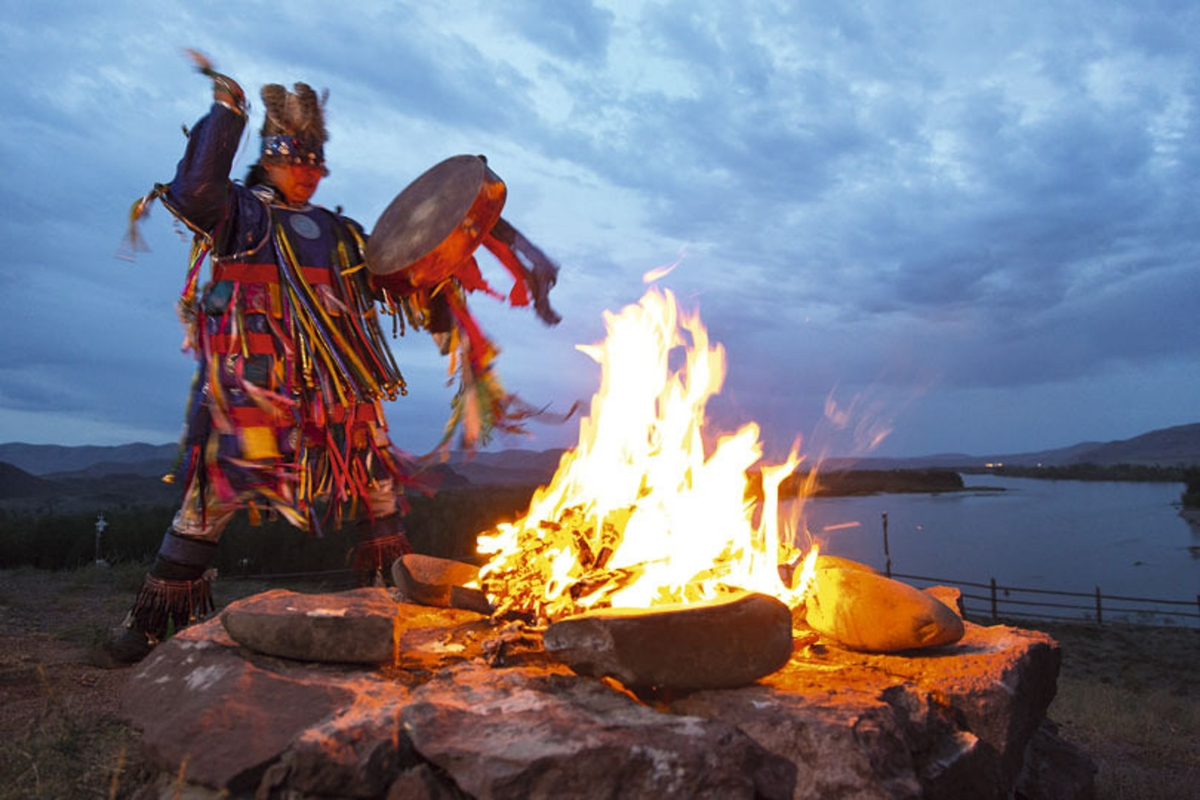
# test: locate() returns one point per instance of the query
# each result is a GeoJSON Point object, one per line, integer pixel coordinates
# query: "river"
{"type": "Point", "coordinates": [1126, 538]}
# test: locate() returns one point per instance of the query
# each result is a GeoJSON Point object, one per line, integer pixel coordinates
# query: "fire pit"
{"type": "Point", "coordinates": [631, 635]}
{"type": "Point", "coordinates": [472, 708]}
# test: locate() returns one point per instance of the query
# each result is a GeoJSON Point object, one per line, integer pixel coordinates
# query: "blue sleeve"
{"type": "Point", "coordinates": [199, 194]}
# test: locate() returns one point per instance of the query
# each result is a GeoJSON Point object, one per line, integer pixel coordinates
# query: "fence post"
{"type": "Point", "coordinates": [994, 614]}
{"type": "Point", "coordinates": [887, 553]}
{"type": "Point", "coordinates": [1099, 617]}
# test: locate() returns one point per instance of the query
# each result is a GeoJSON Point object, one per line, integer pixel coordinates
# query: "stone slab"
{"type": "Point", "coordinates": [956, 721]}
{"type": "Point", "coordinates": [726, 643]}
{"type": "Point", "coordinates": [438, 582]}
{"type": "Point", "coordinates": [866, 611]}
{"type": "Point", "coordinates": [353, 627]}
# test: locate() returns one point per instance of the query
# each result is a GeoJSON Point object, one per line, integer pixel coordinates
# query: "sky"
{"type": "Point", "coordinates": [915, 228]}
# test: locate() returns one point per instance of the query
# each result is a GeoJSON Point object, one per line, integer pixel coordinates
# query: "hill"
{"type": "Point", "coordinates": [1179, 445]}
{"type": "Point", "coordinates": [44, 459]}
{"type": "Point", "coordinates": [1167, 447]}
{"type": "Point", "coordinates": [16, 482]}
{"type": "Point", "coordinates": [96, 477]}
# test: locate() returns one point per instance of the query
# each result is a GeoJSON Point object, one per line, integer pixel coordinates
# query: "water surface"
{"type": "Point", "coordinates": [1126, 538]}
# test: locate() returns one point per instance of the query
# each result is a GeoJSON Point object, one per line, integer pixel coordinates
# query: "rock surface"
{"type": "Point", "coordinates": [952, 722]}
{"type": "Point", "coordinates": [438, 582]}
{"type": "Point", "coordinates": [544, 732]}
{"type": "Point", "coordinates": [354, 627]}
{"type": "Point", "coordinates": [724, 644]}
{"type": "Point", "coordinates": [866, 611]}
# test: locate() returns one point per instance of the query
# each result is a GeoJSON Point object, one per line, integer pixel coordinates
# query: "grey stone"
{"type": "Point", "coordinates": [522, 732]}
{"type": "Point", "coordinates": [354, 627]}
{"type": "Point", "coordinates": [837, 562]}
{"type": "Point", "coordinates": [941, 724]}
{"type": "Point", "coordinates": [422, 782]}
{"type": "Point", "coordinates": [949, 596]}
{"type": "Point", "coordinates": [866, 611]}
{"type": "Point", "coordinates": [1055, 769]}
{"type": "Point", "coordinates": [955, 721]}
{"type": "Point", "coordinates": [438, 582]}
{"type": "Point", "coordinates": [728, 642]}
{"type": "Point", "coordinates": [207, 712]}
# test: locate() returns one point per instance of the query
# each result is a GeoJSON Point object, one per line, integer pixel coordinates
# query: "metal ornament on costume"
{"type": "Point", "coordinates": [289, 149]}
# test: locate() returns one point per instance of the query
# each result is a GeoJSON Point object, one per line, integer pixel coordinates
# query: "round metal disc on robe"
{"type": "Point", "coordinates": [435, 224]}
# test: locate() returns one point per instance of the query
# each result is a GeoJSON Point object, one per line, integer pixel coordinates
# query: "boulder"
{"type": "Point", "coordinates": [951, 723]}
{"type": "Point", "coordinates": [729, 642]}
{"type": "Point", "coordinates": [949, 596]}
{"type": "Point", "coordinates": [957, 721]}
{"type": "Point", "coordinates": [214, 717]}
{"type": "Point", "coordinates": [354, 627]}
{"type": "Point", "coordinates": [837, 562]}
{"type": "Point", "coordinates": [866, 611]}
{"type": "Point", "coordinates": [439, 582]}
{"type": "Point", "coordinates": [523, 732]}
{"type": "Point", "coordinates": [1055, 769]}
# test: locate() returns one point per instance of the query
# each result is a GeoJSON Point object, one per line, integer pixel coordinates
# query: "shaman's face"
{"type": "Point", "coordinates": [296, 182]}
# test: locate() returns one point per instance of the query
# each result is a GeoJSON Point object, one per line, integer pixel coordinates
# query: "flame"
{"type": "Point", "coordinates": [639, 513]}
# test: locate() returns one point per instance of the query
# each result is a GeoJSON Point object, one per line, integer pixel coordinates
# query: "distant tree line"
{"type": "Point", "coordinates": [1140, 473]}
{"type": "Point", "coordinates": [842, 483]}
{"type": "Point", "coordinates": [444, 524]}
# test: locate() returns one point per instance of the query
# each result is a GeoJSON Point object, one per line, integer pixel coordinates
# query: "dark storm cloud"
{"type": "Point", "coordinates": [923, 197]}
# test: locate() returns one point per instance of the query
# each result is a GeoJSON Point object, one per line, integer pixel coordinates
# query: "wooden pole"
{"type": "Point", "coordinates": [1099, 616]}
{"type": "Point", "coordinates": [887, 553]}
{"type": "Point", "coordinates": [994, 614]}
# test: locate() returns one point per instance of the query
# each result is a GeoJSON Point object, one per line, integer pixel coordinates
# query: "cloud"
{"type": "Point", "coordinates": [920, 200]}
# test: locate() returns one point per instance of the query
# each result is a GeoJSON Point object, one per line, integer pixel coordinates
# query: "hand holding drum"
{"type": "Point", "coordinates": [429, 233]}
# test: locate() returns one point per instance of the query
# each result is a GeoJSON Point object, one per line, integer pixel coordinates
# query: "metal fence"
{"type": "Point", "coordinates": [998, 601]}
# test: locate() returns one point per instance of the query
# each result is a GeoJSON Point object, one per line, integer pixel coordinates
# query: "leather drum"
{"type": "Point", "coordinates": [435, 224]}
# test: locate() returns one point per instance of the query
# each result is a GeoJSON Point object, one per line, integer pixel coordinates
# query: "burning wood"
{"type": "Point", "coordinates": [644, 511]}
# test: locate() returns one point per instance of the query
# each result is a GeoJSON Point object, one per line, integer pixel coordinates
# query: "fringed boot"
{"type": "Point", "coordinates": [176, 592]}
{"type": "Point", "coordinates": [380, 542]}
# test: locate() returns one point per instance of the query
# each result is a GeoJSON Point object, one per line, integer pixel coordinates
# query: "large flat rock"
{"type": "Point", "coordinates": [951, 722]}
{"type": "Point", "coordinates": [955, 721]}
{"type": "Point", "coordinates": [544, 732]}
{"type": "Point", "coordinates": [723, 644]}
{"type": "Point", "coordinates": [358, 626]}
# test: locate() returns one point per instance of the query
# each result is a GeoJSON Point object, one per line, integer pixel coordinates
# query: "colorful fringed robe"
{"type": "Point", "coordinates": [285, 408]}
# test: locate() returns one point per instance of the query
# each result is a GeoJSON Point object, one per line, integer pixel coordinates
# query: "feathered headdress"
{"type": "Point", "coordinates": [294, 128]}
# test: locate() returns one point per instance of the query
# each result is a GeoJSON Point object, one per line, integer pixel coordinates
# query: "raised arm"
{"type": "Point", "coordinates": [199, 192]}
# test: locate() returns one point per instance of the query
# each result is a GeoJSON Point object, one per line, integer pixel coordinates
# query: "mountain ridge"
{"type": "Point", "coordinates": [1174, 446]}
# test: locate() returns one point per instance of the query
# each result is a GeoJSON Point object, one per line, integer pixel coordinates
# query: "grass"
{"type": "Point", "coordinates": [1130, 697]}
{"type": "Point", "coordinates": [67, 752]}
{"type": "Point", "coordinates": [1146, 744]}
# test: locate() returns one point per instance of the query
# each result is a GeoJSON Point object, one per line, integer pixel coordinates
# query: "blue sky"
{"type": "Point", "coordinates": [978, 229]}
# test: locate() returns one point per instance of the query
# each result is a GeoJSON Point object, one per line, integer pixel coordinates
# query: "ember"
{"type": "Point", "coordinates": [640, 513]}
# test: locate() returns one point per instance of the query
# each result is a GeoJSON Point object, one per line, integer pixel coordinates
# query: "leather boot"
{"type": "Point", "coordinates": [176, 592]}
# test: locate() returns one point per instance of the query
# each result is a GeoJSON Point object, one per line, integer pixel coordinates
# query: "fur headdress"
{"type": "Point", "coordinates": [294, 128]}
